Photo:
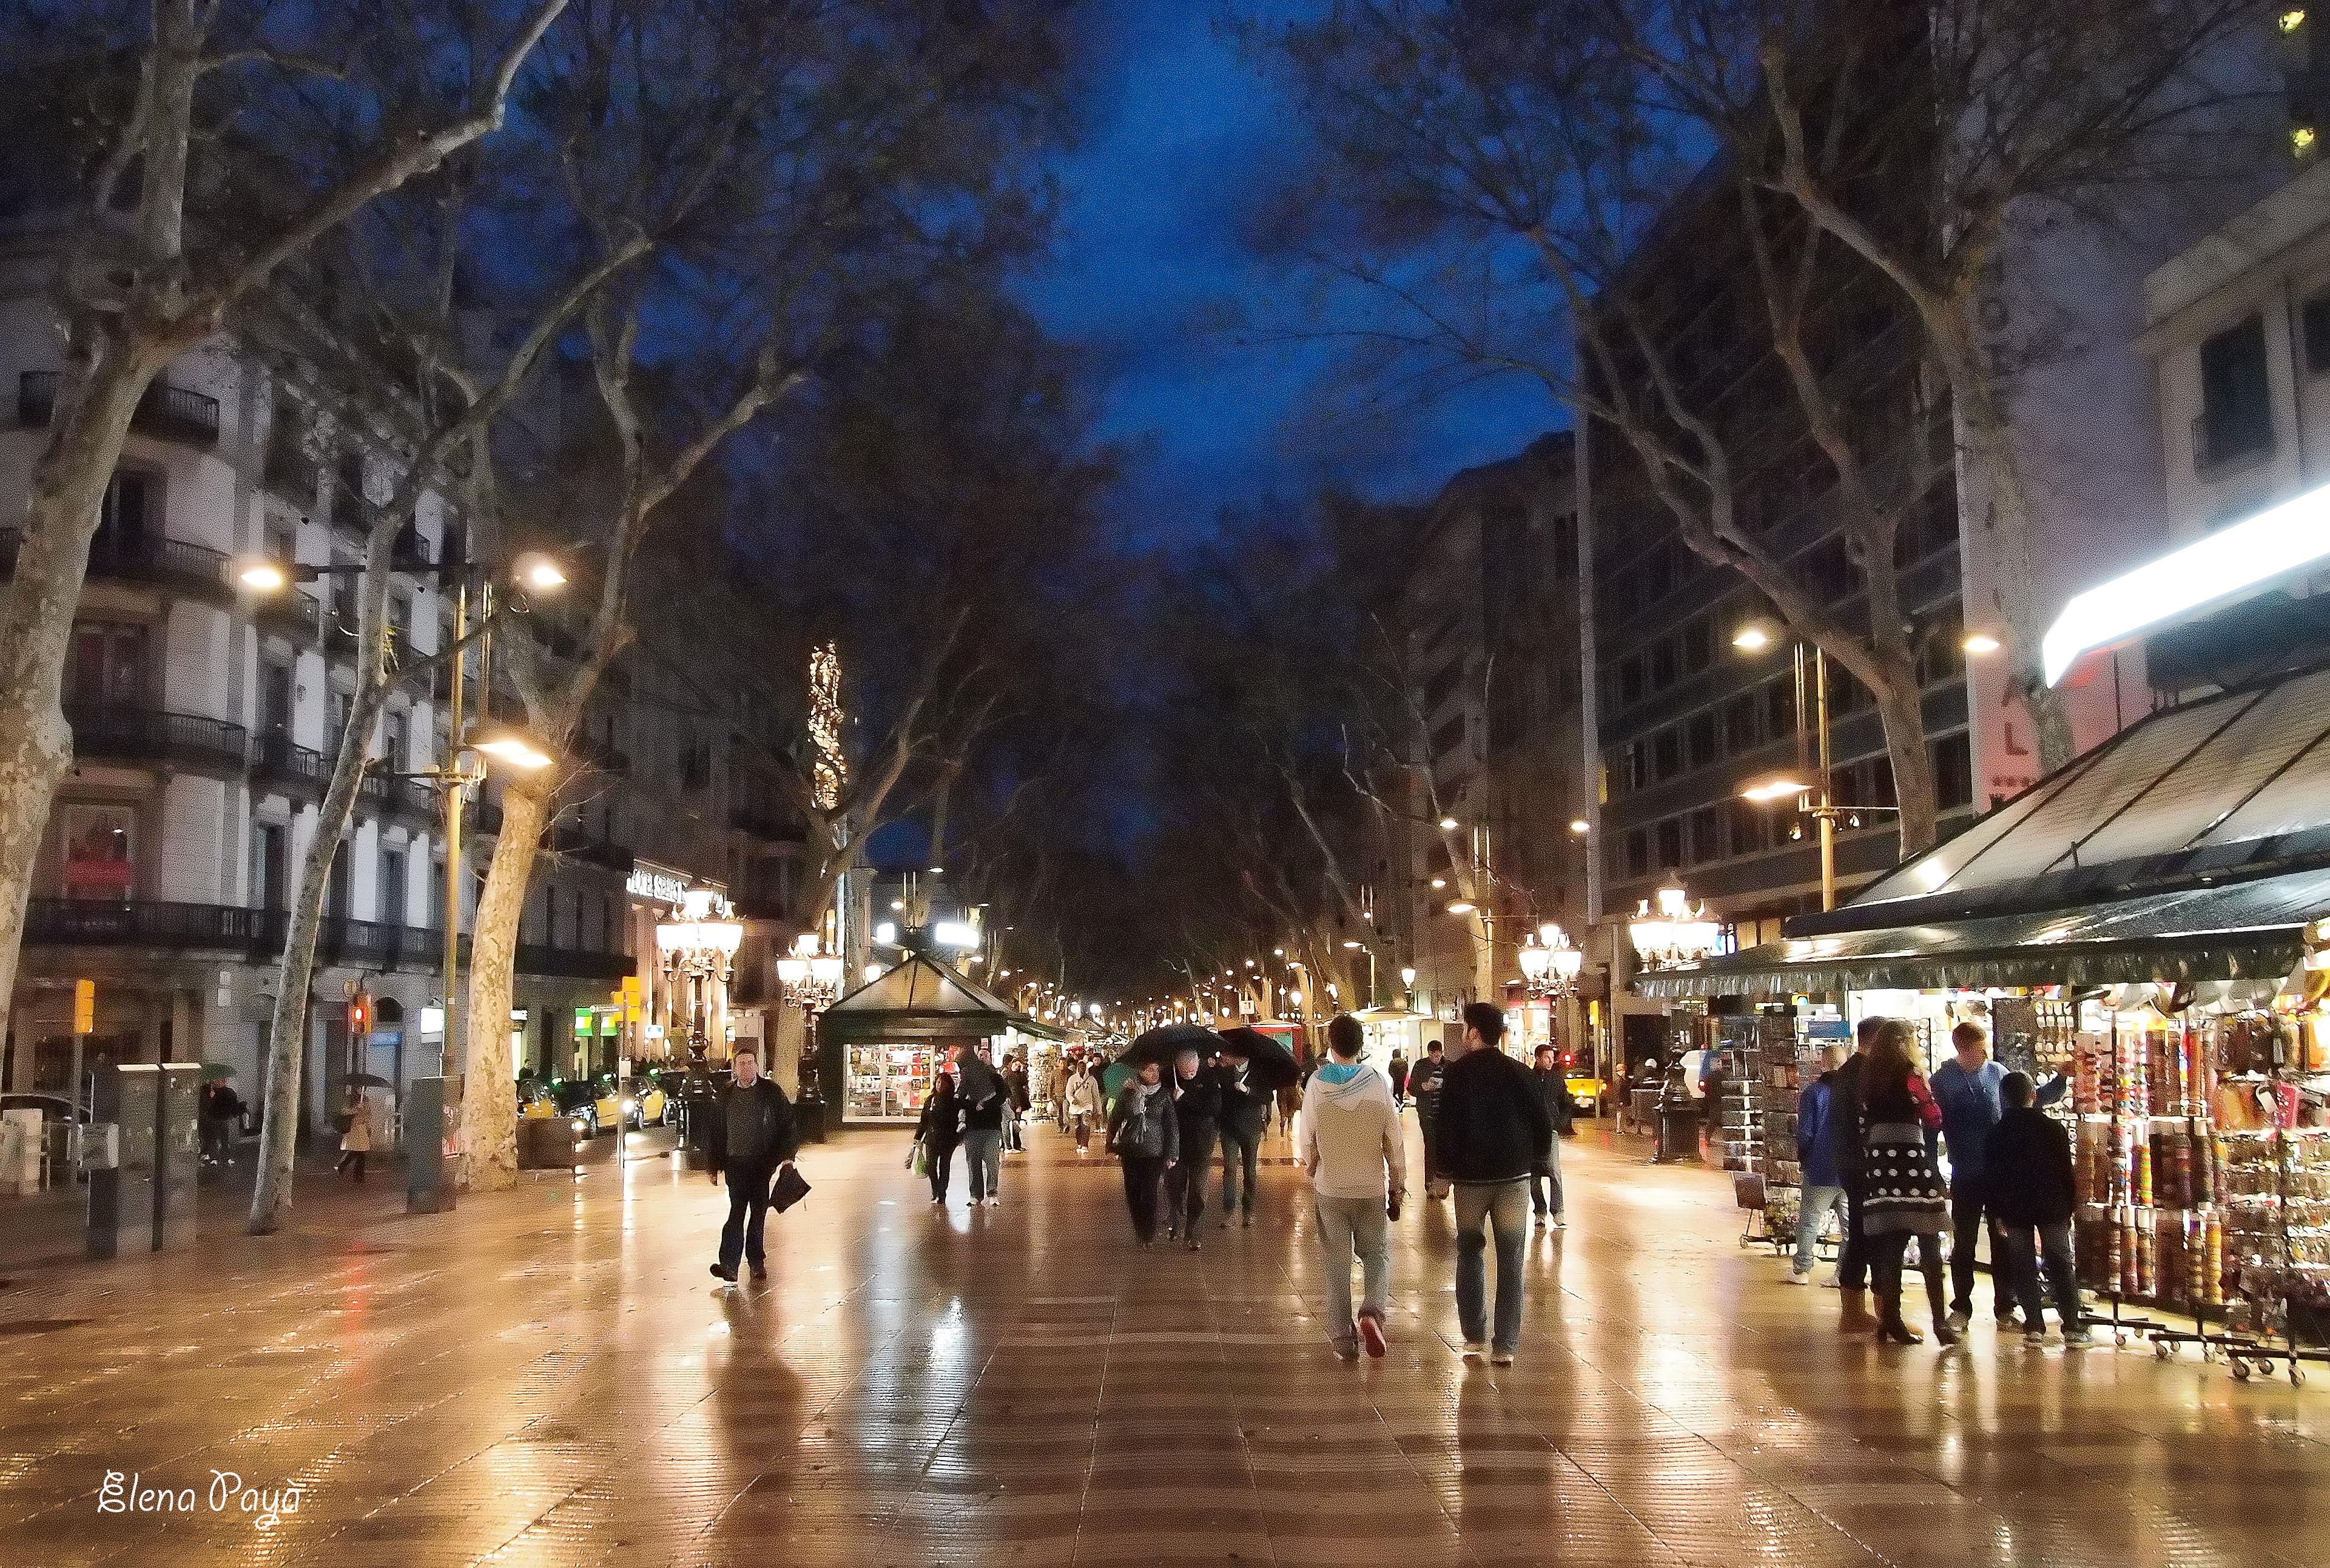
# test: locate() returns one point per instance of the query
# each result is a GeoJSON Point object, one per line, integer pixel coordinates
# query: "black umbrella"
{"type": "Point", "coordinates": [1162, 1046]}
{"type": "Point", "coordinates": [978, 1081]}
{"type": "Point", "coordinates": [1268, 1062]}
{"type": "Point", "coordinates": [366, 1081]}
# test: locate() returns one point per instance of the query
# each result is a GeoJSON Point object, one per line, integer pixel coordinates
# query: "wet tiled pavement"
{"type": "Point", "coordinates": [551, 1378]}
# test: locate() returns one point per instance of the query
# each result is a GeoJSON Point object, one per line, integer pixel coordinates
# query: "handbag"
{"type": "Point", "coordinates": [789, 1189]}
{"type": "Point", "coordinates": [919, 1159]}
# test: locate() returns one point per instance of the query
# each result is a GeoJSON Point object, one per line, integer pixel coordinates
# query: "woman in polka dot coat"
{"type": "Point", "coordinates": [1903, 1187]}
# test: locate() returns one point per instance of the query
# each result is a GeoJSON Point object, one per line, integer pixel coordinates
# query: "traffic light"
{"type": "Point", "coordinates": [360, 1015]}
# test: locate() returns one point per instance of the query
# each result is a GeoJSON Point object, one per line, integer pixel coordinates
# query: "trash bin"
{"type": "Point", "coordinates": [695, 1123]}
{"type": "Point", "coordinates": [1677, 1129]}
{"type": "Point", "coordinates": [808, 1114]}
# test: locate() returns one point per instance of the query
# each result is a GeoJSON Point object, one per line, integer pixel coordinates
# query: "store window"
{"type": "Point", "coordinates": [109, 665]}
{"type": "Point", "coordinates": [2235, 397]}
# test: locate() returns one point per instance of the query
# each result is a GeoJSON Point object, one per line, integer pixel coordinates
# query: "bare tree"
{"type": "Point", "coordinates": [149, 271]}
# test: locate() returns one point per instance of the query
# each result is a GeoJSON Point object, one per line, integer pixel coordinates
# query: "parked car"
{"type": "Point", "coordinates": [1584, 1085]}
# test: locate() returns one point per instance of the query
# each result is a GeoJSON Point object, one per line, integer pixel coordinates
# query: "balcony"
{"type": "Point", "coordinates": [166, 412]}
{"type": "Point", "coordinates": [574, 843]}
{"type": "Point", "coordinates": [173, 564]}
{"type": "Point", "coordinates": [293, 613]}
{"type": "Point", "coordinates": [127, 734]}
{"type": "Point", "coordinates": [413, 801]}
{"type": "Point", "coordinates": [758, 823]}
{"type": "Point", "coordinates": [299, 771]}
{"type": "Point", "coordinates": [568, 963]}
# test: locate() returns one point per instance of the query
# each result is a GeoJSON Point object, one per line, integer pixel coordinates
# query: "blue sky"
{"type": "Point", "coordinates": [1148, 274]}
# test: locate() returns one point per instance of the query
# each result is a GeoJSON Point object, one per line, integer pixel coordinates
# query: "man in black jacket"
{"type": "Point", "coordinates": [1493, 1132]}
{"type": "Point", "coordinates": [1245, 1112]}
{"type": "Point", "coordinates": [2028, 1183]}
{"type": "Point", "coordinates": [1197, 1106]}
{"type": "Point", "coordinates": [1845, 1149]}
{"type": "Point", "coordinates": [1424, 1082]}
{"type": "Point", "coordinates": [1550, 1081]}
{"type": "Point", "coordinates": [752, 1138]}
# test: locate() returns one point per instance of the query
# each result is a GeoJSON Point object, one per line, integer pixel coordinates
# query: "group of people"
{"type": "Point", "coordinates": [1869, 1132]}
{"type": "Point", "coordinates": [981, 1113]}
{"type": "Point", "coordinates": [1164, 1136]}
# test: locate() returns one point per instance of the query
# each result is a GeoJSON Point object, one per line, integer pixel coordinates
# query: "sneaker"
{"type": "Point", "coordinates": [1474, 1351]}
{"type": "Point", "coordinates": [2078, 1339]}
{"type": "Point", "coordinates": [1958, 1318]}
{"type": "Point", "coordinates": [1193, 1241]}
{"type": "Point", "coordinates": [1347, 1349]}
{"type": "Point", "coordinates": [993, 1201]}
{"type": "Point", "coordinates": [1501, 1358]}
{"type": "Point", "coordinates": [1371, 1335]}
{"type": "Point", "coordinates": [1560, 1223]}
{"type": "Point", "coordinates": [2036, 1338]}
{"type": "Point", "coordinates": [723, 1272]}
{"type": "Point", "coordinates": [1171, 1233]}
{"type": "Point", "coordinates": [1804, 1278]}
{"type": "Point", "coordinates": [1541, 1222]}
{"type": "Point", "coordinates": [1246, 1221]}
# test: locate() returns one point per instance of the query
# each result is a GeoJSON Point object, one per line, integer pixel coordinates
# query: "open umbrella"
{"type": "Point", "coordinates": [217, 1071]}
{"type": "Point", "coordinates": [978, 1081]}
{"type": "Point", "coordinates": [365, 1080]}
{"type": "Point", "coordinates": [1162, 1046]}
{"type": "Point", "coordinates": [1268, 1062]}
{"type": "Point", "coordinates": [1116, 1076]}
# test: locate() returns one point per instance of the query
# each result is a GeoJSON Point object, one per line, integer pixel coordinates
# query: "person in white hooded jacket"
{"type": "Point", "coordinates": [1359, 1172]}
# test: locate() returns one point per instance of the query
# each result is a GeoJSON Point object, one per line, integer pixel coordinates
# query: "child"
{"type": "Point", "coordinates": [2028, 1166]}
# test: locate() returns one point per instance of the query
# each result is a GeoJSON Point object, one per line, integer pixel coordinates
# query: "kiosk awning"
{"type": "Point", "coordinates": [919, 999]}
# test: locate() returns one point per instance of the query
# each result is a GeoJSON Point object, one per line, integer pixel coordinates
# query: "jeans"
{"type": "Point", "coordinates": [1969, 1212]}
{"type": "Point", "coordinates": [1545, 1183]}
{"type": "Point", "coordinates": [1141, 1173]}
{"type": "Point", "coordinates": [1084, 1132]}
{"type": "Point", "coordinates": [748, 1211]}
{"type": "Point", "coordinates": [1505, 1205]}
{"type": "Point", "coordinates": [2054, 1242]}
{"type": "Point", "coordinates": [1185, 1184]}
{"type": "Point", "coordinates": [1241, 1151]}
{"type": "Point", "coordinates": [1347, 1225]}
{"type": "Point", "coordinates": [941, 1162]}
{"type": "Point", "coordinates": [983, 1146]}
{"type": "Point", "coordinates": [1812, 1209]}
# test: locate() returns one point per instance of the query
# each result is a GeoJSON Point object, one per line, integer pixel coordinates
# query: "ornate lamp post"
{"type": "Point", "coordinates": [1676, 932]}
{"type": "Point", "coordinates": [701, 945]}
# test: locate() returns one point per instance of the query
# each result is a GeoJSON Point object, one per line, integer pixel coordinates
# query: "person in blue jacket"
{"type": "Point", "coordinates": [1967, 1089]}
{"type": "Point", "coordinates": [1822, 1184]}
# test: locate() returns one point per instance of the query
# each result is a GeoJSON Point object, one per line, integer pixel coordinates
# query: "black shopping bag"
{"type": "Point", "coordinates": [789, 1189]}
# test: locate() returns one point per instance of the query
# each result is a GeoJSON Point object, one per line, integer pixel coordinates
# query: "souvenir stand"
{"type": "Point", "coordinates": [1736, 1038]}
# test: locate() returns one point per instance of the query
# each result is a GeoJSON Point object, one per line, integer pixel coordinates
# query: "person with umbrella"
{"type": "Point", "coordinates": [355, 1138]}
{"type": "Point", "coordinates": [1351, 1149]}
{"type": "Point", "coordinates": [1245, 1116]}
{"type": "Point", "coordinates": [1146, 1136]}
{"type": "Point", "coordinates": [1198, 1109]}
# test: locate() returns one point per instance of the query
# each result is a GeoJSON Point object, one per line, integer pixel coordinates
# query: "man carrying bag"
{"type": "Point", "coordinates": [753, 1138]}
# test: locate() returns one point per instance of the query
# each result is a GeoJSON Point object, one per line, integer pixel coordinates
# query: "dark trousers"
{"type": "Point", "coordinates": [1141, 1174]}
{"type": "Point", "coordinates": [942, 1162]}
{"type": "Point", "coordinates": [1888, 1254]}
{"type": "Point", "coordinates": [1185, 1184]}
{"type": "Point", "coordinates": [1241, 1153]}
{"type": "Point", "coordinates": [2021, 1260]}
{"type": "Point", "coordinates": [1427, 1122]}
{"type": "Point", "coordinates": [748, 1213]}
{"type": "Point", "coordinates": [1852, 1261]}
{"type": "Point", "coordinates": [1969, 1214]}
{"type": "Point", "coordinates": [351, 1156]}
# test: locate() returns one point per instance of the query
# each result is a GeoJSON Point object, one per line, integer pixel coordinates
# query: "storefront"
{"type": "Point", "coordinates": [2144, 923]}
{"type": "Point", "coordinates": [880, 1047]}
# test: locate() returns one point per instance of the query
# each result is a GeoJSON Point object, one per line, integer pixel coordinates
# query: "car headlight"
{"type": "Point", "coordinates": [628, 1105]}
{"type": "Point", "coordinates": [578, 1124]}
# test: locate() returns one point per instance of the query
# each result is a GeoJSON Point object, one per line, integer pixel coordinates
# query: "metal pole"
{"type": "Point", "coordinates": [1827, 814]}
{"type": "Point", "coordinates": [451, 784]}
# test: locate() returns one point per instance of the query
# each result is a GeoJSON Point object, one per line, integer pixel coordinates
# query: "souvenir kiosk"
{"type": "Point", "coordinates": [879, 1047]}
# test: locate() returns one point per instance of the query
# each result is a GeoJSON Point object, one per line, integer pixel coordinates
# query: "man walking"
{"type": "Point", "coordinates": [1822, 1189]}
{"type": "Point", "coordinates": [1492, 1131]}
{"type": "Point", "coordinates": [1398, 1073]}
{"type": "Point", "coordinates": [1550, 1084]}
{"type": "Point", "coordinates": [1844, 1134]}
{"type": "Point", "coordinates": [1198, 1109]}
{"type": "Point", "coordinates": [752, 1138]}
{"type": "Point", "coordinates": [982, 1137]}
{"type": "Point", "coordinates": [1246, 1117]}
{"type": "Point", "coordinates": [1351, 1148]}
{"type": "Point", "coordinates": [1424, 1087]}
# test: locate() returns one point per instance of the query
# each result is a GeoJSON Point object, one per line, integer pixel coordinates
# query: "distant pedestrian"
{"type": "Point", "coordinates": [1424, 1084]}
{"type": "Point", "coordinates": [1844, 1131]}
{"type": "Point", "coordinates": [1145, 1136]}
{"type": "Point", "coordinates": [1551, 1081]}
{"type": "Point", "coordinates": [1057, 1090]}
{"type": "Point", "coordinates": [752, 1138]}
{"type": "Point", "coordinates": [1084, 1104]}
{"type": "Point", "coordinates": [1397, 1074]}
{"type": "Point", "coordinates": [1352, 1150]}
{"type": "Point", "coordinates": [1492, 1130]}
{"type": "Point", "coordinates": [1820, 1189]}
{"type": "Point", "coordinates": [983, 1140]}
{"type": "Point", "coordinates": [2032, 1191]}
{"type": "Point", "coordinates": [222, 1110]}
{"type": "Point", "coordinates": [1246, 1117]}
{"type": "Point", "coordinates": [941, 1131]}
{"type": "Point", "coordinates": [1902, 1184]}
{"type": "Point", "coordinates": [1198, 1109]}
{"type": "Point", "coordinates": [355, 1139]}
{"type": "Point", "coordinates": [1966, 1087]}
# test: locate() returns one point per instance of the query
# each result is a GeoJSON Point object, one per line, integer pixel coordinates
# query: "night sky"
{"type": "Point", "coordinates": [1149, 274]}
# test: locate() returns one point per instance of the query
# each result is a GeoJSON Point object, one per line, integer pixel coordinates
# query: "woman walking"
{"type": "Point", "coordinates": [1146, 1134]}
{"type": "Point", "coordinates": [356, 1143]}
{"type": "Point", "coordinates": [1905, 1193]}
{"type": "Point", "coordinates": [940, 1129]}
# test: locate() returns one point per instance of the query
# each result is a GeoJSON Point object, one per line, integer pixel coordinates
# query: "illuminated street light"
{"type": "Point", "coordinates": [261, 575]}
{"type": "Point", "coordinates": [537, 571]}
{"type": "Point", "coordinates": [508, 744]}
{"type": "Point", "coordinates": [1448, 824]}
{"type": "Point", "coordinates": [1751, 638]}
{"type": "Point", "coordinates": [1981, 644]}
{"type": "Point", "coordinates": [1461, 906]}
{"type": "Point", "coordinates": [1772, 789]}
{"type": "Point", "coordinates": [1579, 827]}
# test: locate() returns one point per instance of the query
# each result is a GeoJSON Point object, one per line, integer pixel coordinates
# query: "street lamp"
{"type": "Point", "coordinates": [508, 743]}
{"type": "Point", "coordinates": [1812, 798]}
{"type": "Point", "coordinates": [1548, 963]}
{"type": "Point", "coordinates": [812, 977]}
{"type": "Point", "coordinates": [1676, 932]}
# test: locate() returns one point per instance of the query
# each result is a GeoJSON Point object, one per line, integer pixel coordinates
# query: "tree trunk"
{"type": "Point", "coordinates": [488, 1087]}
{"type": "Point", "coordinates": [36, 621]}
{"type": "Point", "coordinates": [1902, 710]}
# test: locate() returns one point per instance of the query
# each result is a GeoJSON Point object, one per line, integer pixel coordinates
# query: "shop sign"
{"type": "Point", "coordinates": [656, 885]}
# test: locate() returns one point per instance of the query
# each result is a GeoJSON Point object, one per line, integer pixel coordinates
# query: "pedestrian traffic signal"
{"type": "Point", "coordinates": [359, 1016]}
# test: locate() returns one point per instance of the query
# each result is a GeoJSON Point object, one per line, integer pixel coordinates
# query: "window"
{"type": "Point", "coordinates": [288, 471]}
{"type": "Point", "coordinates": [347, 614]}
{"type": "Point", "coordinates": [1780, 706]}
{"type": "Point", "coordinates": [1665, 666]}
{"type": "Point", "coordinates": [395, 746]}
{"type": "Point", "coordinates": [1741, 733]}
{"type": "Point", "coordinates": [126, 514]}
{"type": "Point", "coordinates": [1631, 684]}
{"type": "Point", "coordinates": [350, 472]}
{"type": "Point", "coordinates": [1706, 834]}
{"type": "Point", "coordinates": [437, 893]}
{"type": "Point", "coordinates": [335, 888]}
{"type": "Point", "coordinates": [1751, 827]}
{"type": "Point", "coordinates": [274, 698]}
{"type": "Point", "coordinates": [100, 845]}
{"type": "Point", "coordinates": [270, 875]}
{"type": "Point", "coordinates": [1670, 844]}
{"type": "Point", "coordinates": [1666, 754]}
{"type": "Point", "coordinates": [1698, 647]}
{"type": "Point", "coordinates": [1638, 854]}
{"type": "Point", "coordinates": [2236, 399]}
{"type": "Point", "coordinates": [109, 665]}
{"type": "Point", "coordinates": [695, 762]}
{"type": "Point", "coordinates": [400, 620]}
{"type": "Point", "coordinates": [2316, 316]}
{"type": "Point", "coordinates": [282, 542]}
{"type": "Point", "coordinates": [1953, 772]}
{"type": "Point", "coordinates": [1448, 738]}
{"type": "Point", "coordinates": [1701, 735]}
{"type": "Point", "coordinates": [392, 887]}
